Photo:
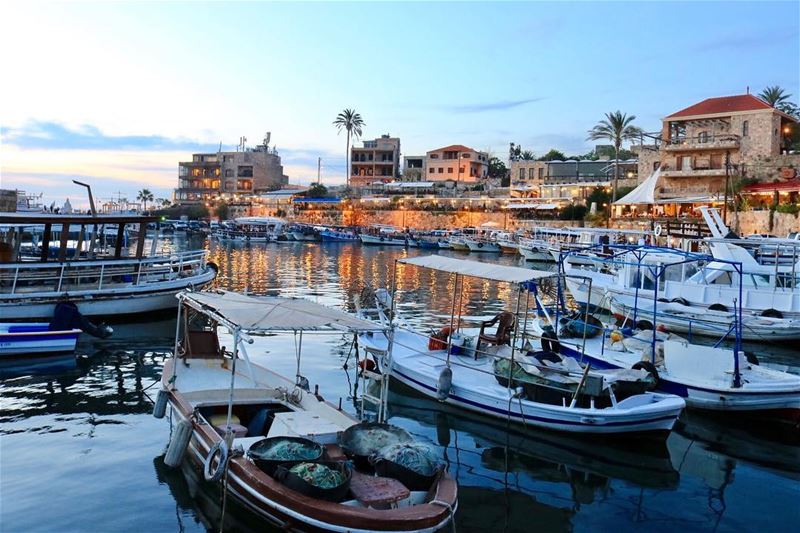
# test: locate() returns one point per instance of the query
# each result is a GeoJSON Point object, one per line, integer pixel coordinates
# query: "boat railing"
{"type": "Point", "coordinates": [28, 278]}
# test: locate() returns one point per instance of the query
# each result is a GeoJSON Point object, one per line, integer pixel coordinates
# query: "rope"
{"type": "Point", "coordinates": [449, 510]}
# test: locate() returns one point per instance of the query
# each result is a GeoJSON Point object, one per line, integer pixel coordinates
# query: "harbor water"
{"type": "Point", "coordinates": [80, 451]}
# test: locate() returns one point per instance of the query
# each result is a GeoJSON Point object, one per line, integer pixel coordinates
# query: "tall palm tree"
{"type": "Point", "coordinates": [352, 122]}
{"type": "Point", "coordinates": [616, 127]}
{"type": "Point", "coordinates": [145, 196]}
{"type": "Point", "coordinates": [775, 96]}
{"type": "Point", "coordinates": [527, 155]}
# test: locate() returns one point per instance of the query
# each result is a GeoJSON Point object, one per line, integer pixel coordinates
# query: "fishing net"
{"type": "Point", "coordinates": [287, 450]}
{"type": "Point", "coordinates": [318, 475]}
{"type": "Point", "coordinates": [502, 366]}
{"type": "Point", "coordinates": [415, 456]}
{"type": "Point", "coordinates": [367, 440]}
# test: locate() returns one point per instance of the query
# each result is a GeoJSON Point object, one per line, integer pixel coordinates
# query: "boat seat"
{"type": "Point", "coordinates": [506, 322]}
{"type": "Point", "coordinates": [201, 345]}
{"type": "Point", "coordinates": [374, 491]}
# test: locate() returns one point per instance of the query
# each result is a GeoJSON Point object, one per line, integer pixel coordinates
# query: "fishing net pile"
{"type": "Point", "coordinates": [365, 440]}
{"type": "Point", "coordinates": [415, 456]}
{"type": "Point", "coordinates": [286, 450]}
{"type": "Point", "coordinates": [318, 475]}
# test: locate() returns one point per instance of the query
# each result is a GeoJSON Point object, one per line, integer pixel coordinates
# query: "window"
{"type": "Point", "coordinates": [449, 170]}
{"type": "Point", "coordinates": [702, 137]}
{"type": "Point", "coordinates": [745, 128]}
{"type": "Point", "coordinates": [541, 173]}
{"type": "Point", "coordinates": [531, 173]}
{"type": "Point", "coordinates": [245, 172]}
{"type": "Point", "coordinates": [431, 170]}
{"type": "Point", "coordinates": [441, 170]}
{"type": "Point", "coordinates": [196, 172]}
{"type": "Point", "coordinates": [467, 156]}
{"type": "Point", "coordinates": [228, 172]}
{"type": "Point", "coordinates": [183, 171]}
{"type": "Point", "coordinates": [434, 156]}
{"type": "Point", "coordinates": [461, 170]}
{"type": "Point", "coordinates": [522, 173]}
{"type": "Point", "coordinates": [244, 185]}
{"type": "Point", "coordinates": [226, 158]}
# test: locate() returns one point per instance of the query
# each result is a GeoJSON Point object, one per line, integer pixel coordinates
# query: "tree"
{"type": "Point", "coordinates": [527, 155]}
{"type": "Point", "coordinates": [616, 127]}
{"type": "Point", "coordinates": [145, 196]}
{"type": "Point", "coordinates": [775, 96]}
{"type": "Point", "coordinates": [222, 211]}
{"type": "Point", "coordinates": [497, 169]}
{"type": "Point", "coordinates": [350, 121]}
{"type": "Point", "coordinates": [164, 202]}
{"type": "Point", "coordinates": [317, 190]}
{"type": "Point", "coordinates": [552, 155]}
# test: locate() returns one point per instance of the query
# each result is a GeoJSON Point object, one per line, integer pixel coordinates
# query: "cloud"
{"type": "Point", "coordinates": [55, 136]}
{"type": "Point", "coordinates": [747, 41]}
{"type": "Point", "coordinates": [501, 105]}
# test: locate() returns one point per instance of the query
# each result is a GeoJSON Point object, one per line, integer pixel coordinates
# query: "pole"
{"type": "Point", "coordinates": [727, 177]}
{"type": "Point", "coordinates": [319, 167]}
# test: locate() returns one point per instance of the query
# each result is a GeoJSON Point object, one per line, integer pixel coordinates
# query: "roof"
{"type": "Point", "coordinates": [262, 314]}
{"type": "Point", "coordinates": [475, 269]}
{"type": "Point", "coordinates": [723, 104]}
{"type": "Point", "coordinates": [454, 148]}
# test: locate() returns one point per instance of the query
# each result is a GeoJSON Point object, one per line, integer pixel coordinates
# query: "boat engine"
{"type": "Point", "coordinates": [67, 316]}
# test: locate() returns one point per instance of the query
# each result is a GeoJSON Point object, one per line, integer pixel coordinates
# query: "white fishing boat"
{"type": "Point", "coordinates": [383, 235]}
{"type": "Point", "coordinates": [708, 377]}
{"type": "Point", "coordinates": [253, 230]}
{"type": "Point", "coordinates": [101, 282]}
{"type": "Point", "coordinates": [482, 245]}
{"type": "Point", "coordinates": [444, 366]}
{"type": "Point", "coordinates": [36, 339]}
{"type": "Point", "coordinates": [227, 411]}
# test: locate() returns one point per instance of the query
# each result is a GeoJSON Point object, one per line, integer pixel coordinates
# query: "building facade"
{"type": "Point", "coordinates": [208, 176]}
{"type": "Point", "coordinates": [376, 160]}
{"type": "Point", "coordinates": [458, 163]}
{"type": "Point", "coordinates": [728, 135]}
{"type": "Point", "coordinates": [568, 180]}
{"type": "Point", "coordinates": [414, 168]}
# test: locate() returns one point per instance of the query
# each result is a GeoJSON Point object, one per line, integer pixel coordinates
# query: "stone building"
{"type": "Point", "coordinates": [728, 135]}
{"type": "Point", "coordinates": [413, 168]}
{"type": "Point", "coordinates": [249, 171]}
{"type": "Point", "coordinates": [376, 160]}
{"type": "Point", "coordinates": [458, 163]}
{"type": "Point", "coordinates": [568, 180]}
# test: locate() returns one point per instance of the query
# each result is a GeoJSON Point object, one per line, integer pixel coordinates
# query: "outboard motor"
{"type": "Point", "coordinates": [67, 316]}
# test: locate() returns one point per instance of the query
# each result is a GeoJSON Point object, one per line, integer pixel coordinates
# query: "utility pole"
{"type": "Point", "coordinates": [319, 167]}
{"type": "Point", "coordinates": [727, 178]}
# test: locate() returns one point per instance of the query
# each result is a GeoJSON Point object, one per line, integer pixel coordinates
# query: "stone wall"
{"type": "Point", "coordinates": [768, 168]}
{"type": "Point", "coordinates": [759, 222]}
{"type": "Point", "coordinates": [422, 219]}
{"type": "Point", "coordinates": [8, 201]}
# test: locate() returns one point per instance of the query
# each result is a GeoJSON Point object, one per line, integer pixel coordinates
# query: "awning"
{"type": "Point", "coordinates": [644, 193]}
{"type": "Point", "coordinates": [780, 186]}
{"type": "Point", "coordinates": [475, 269]}
{"type": "Point", "coordinates": [261, 314]}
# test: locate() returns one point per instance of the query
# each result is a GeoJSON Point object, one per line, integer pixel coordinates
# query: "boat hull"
{"type": "Point", "coordinates": [381, 241]}
{"type": "Point", "coordinates": [36, 343]}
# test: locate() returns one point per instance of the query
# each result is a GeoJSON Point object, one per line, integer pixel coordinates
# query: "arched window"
{"type": "Point", "coordinates": [745, 128]}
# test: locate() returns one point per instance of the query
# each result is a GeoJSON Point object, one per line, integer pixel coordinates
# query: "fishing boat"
{"type": "Point", "coordinates": [253, 230]}
{"type": "Point", "coordinates": [100, 281]}
{"type": "Point", "coordinates": [708, 377]}
{"type": "Point", "coordinates": [383, 235]}
{"type": "Point", "coordinates": [226, 410]}
{"type": "Point", "coordinates": [451, 367]}
{"type": "Point", "coordinates": [336, 234]}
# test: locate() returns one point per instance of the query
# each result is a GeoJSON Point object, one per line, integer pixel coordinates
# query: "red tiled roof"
{"type": "Point", "coordinates": [723, 104]}
{"type": "Point", "coordinates": [454, 148]}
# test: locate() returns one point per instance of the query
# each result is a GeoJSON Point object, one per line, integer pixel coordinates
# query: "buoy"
{"type": "Point", "coordinates": [445, 383]}
{"type": "Point", "coordinates": [160, 408]}
{"type": "Point", "coordinates": [178, 444]}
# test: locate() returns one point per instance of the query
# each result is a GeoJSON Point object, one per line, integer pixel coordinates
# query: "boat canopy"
{"type": "Point", "coordinates": [263, 314]}
{"type": "Point", "coordinates": [476, 269]}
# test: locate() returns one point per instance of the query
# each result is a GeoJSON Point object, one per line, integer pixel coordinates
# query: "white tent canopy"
{"type": "Point", "coordinates": [644, 193]}
{"type": "Point", "coordinates": [256, 314]}
{"type": "Point", "coordinates": [476, 269]}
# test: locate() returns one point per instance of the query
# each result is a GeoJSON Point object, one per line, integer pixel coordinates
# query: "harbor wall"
{"type": "Point", "coordinates": [421, 219]}
{"type": "Point", "coordinates": [759, 222]}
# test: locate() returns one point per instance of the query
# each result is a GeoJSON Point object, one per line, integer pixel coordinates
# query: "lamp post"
{"type": "Point", "coordinates": [727, 178]}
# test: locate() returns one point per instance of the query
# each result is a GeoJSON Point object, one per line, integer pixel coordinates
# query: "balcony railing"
{"type": "Point", "coordinates": [703, 142]}
{"type": "Point", "coordinates": [700, 169]}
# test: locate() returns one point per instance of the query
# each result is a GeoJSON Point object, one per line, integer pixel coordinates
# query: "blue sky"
{"type": "Point", "coordinates": [117, 94]}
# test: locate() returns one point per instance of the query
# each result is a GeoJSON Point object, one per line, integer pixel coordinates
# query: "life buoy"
{"type": "Point", "coordinates": [438, 341]}
{"type": "Point", "coordinates": [657, 230]}
{"type": "Point", "coordinates": [381, 239]}
{"type": "Point", "coordinates": [480, 245]}
{"type": "Point", "coordinates": [220, 448]}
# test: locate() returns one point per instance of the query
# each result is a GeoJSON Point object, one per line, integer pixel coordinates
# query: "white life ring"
{"type": "Point", "coordinates": [657, 230]}
{"type": "Point", "coordinates": [222, 448]}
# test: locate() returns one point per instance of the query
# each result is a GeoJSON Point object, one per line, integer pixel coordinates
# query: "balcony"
{"type": "Point", "coordinates": [720, 141]}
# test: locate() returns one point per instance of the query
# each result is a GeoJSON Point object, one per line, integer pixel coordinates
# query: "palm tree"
{"type": "Point", "coordinates": [616, 127]}
{"type": "Point", "coordinates": [527, 155]}
{"type": "Point", "coordinates": [775, 96]}
{"type": "Point", "coordinates": [145, 196]}
{"type": "Point", "coordinates": [352, 122]}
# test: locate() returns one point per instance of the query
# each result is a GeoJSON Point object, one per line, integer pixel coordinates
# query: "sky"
{"type": "Point", "coordinates": [116, 94]}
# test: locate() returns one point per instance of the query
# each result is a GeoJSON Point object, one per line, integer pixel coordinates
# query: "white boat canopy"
{"type": "Point", "coordinates": [476, 269]}
{"type": "Point", "coordinates": [644, 193]}
{"type": "Point", "coordinates": [264, 314]}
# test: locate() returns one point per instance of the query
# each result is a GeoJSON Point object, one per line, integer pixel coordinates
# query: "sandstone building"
{"type": "Point", "coordinates": [457, 163]}
{"type": "Point", "coordinates": [377, 160]}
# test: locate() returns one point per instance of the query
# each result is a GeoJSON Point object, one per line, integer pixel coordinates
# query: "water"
{"type": "Point", "coordinates": [79, 450]}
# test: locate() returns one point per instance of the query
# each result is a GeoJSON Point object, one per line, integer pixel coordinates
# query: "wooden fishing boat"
{"type": "Point", "coordinates": [222, 409]}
